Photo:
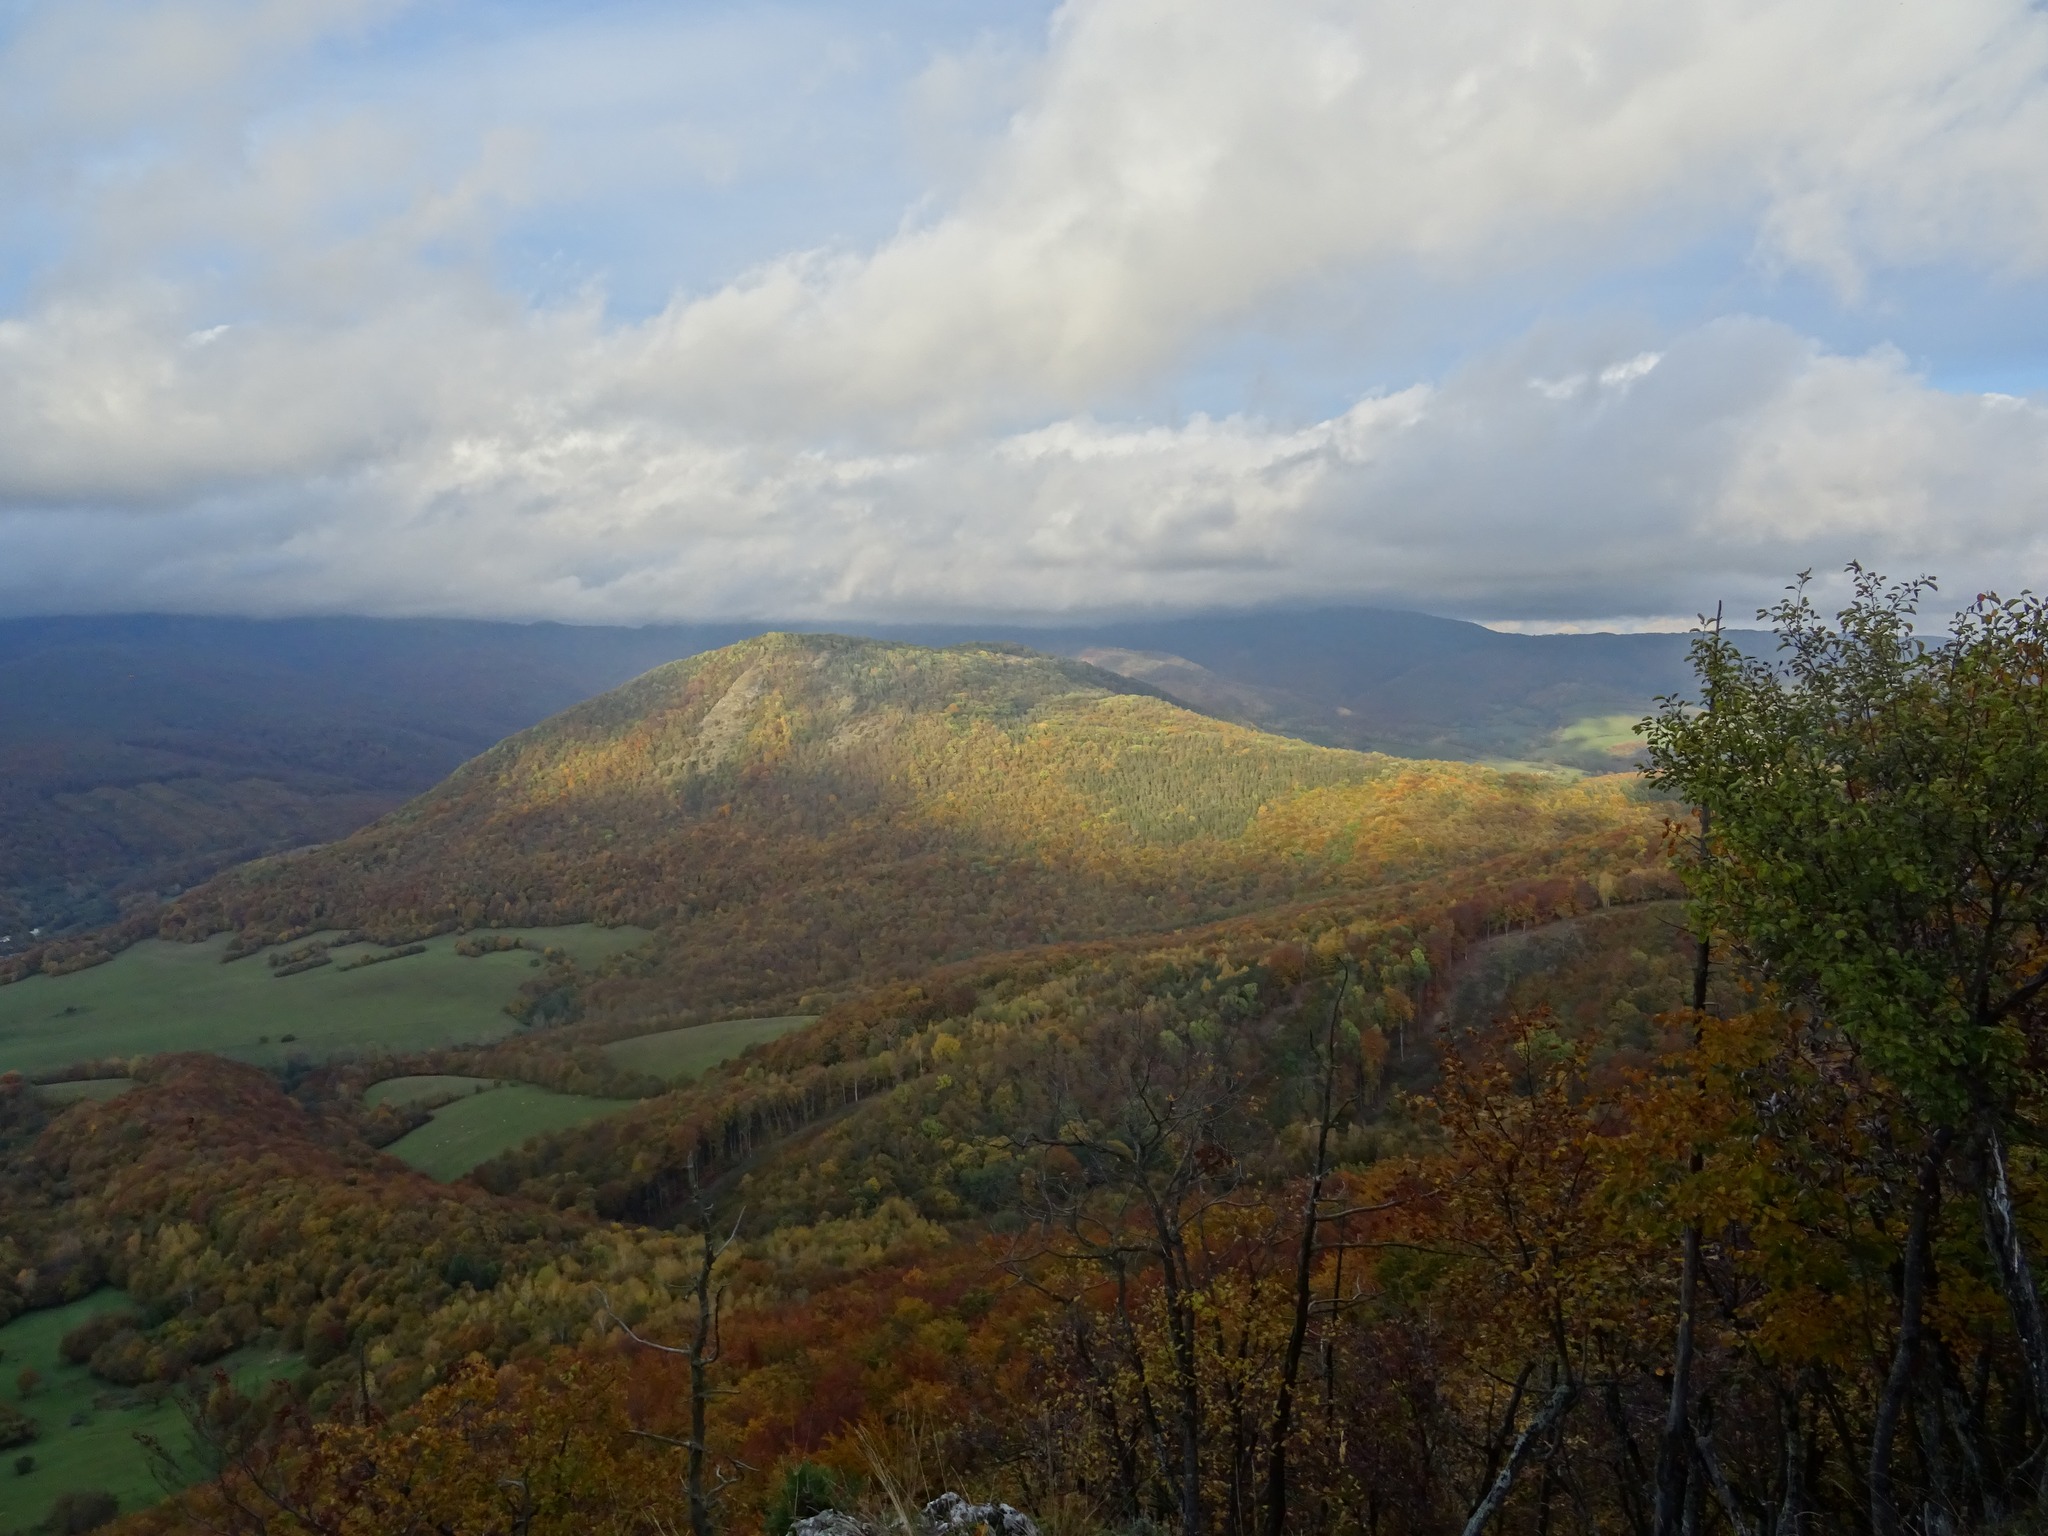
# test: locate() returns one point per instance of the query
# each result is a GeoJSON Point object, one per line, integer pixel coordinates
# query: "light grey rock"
{"type": "Point", "coordinates": [831, 1523]}
{"type": "Point", "coordinates": [951, 1515]}
{"type": "Point", "coordinates": [947, 1515]}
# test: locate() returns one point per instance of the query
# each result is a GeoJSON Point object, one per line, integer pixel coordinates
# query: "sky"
{"type": "Point", "coordinates": [1547, 313]}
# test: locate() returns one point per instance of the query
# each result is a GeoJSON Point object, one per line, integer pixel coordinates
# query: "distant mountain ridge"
{"type": "Point", "coordinates": [803, 812]}
{"type": "Point", "coordinates": [139, 754]}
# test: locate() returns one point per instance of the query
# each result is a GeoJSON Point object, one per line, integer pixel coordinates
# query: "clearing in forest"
{"type": "Point", "coordinates": [161, 996]}
{"type": "Point", "coordinates": [429, 1088]}
{"type": "Point", "coordinates": [477, 1127]}
{"type": "Point", "coordinates": [679, 1053]}
{"type": "Point", "coordinates": [87, 1427]}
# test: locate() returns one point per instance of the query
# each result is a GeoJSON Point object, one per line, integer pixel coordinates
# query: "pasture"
{"type": "Point", "coordinates": [434, 1088]}
{"type": "Point", "coordinates": [679, 1053]}
{"type": "Point", "coordinates": [477, 1127]}
{"type": "Point", "coordinates": [88, 1425]}
{"type": "Point", "coordinates": [1607, 735]}
{"type": "Point", "coordinates": [159, 996]}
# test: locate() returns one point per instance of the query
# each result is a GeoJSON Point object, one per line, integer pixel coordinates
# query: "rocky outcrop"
{"type": "Point", "coordinates": [947, 1515]}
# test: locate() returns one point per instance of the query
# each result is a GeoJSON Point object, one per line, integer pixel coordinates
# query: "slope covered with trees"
{"type": "Point", "coordinates": [1471, 1193]}
{"type": "Point", "coordinates": [140, 754]}
{"type": "Point", "coordinates": [799, 813]}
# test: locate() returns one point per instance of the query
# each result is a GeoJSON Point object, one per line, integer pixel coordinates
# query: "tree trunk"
{"type": "Point", "coordinates": [1304, 1275]}
{"type": "Point", "coordinates": [2008, 1251]}
{"type": "Point", "coordinates": [1539, 1429]}
{"type": "Point", "coordinates": [1710, 1466]}
{"type": "Point", "coordinates": [1884, 1516]}
{"type": "Point", "coordinates": [1674, 1450]}
{"type": "Point", "coordinates": [702, 1351]}
{"type": "Point", "coordinates": [1792, 1497]}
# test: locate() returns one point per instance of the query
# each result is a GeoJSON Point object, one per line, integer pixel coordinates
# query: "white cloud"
{"type": "Point", "coordinates": [1743, 455]}
{"type": "Point", "coordinates": [261, 356]}
{"type": "Point", "coordinates": [1187, 163]}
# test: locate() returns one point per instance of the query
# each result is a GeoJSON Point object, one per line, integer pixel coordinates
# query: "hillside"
{"type": "Point", "coordinates": [1402, 1150]}
{"type": "Point", "coordinates": [1406, 683]}
{"type": "Point", "coordinates": [797, 813]}
{"type": "Point", "coordinates": [887, 1203]}
{"type": "Point", "coordinates": [140, 754]}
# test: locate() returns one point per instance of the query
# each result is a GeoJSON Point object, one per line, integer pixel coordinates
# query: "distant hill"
{"type": "Point", "coordinates": [1389, 681]}
{"type": "Point", "coordinates": [139, 755]}
{"type": "Point", "coordinates": [797, 813]}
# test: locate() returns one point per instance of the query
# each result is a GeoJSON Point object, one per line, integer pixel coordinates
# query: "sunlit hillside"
{"type": "Point", "coordinates": [800, 812]}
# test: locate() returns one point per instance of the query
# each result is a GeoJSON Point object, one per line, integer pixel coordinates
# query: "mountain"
{"type": "Point", "coordinates": [139, 755]}
{"type": "Point", "coordinates": [798, 813]}
{"type": "Point", "coordinates": [1404, 683]}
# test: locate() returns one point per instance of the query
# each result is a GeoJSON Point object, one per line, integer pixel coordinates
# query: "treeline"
{"type": "Point", "coordinates": [867, 1066]}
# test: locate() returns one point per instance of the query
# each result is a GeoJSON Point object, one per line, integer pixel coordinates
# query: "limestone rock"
{"type": "Point", "coordinates": [951, 1515]}
{"type": "Point", "coordinates": [831, 1523]}
{"type": "Point", "coordinates": [947, 1515]}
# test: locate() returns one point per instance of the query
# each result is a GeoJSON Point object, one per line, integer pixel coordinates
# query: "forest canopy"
{"type": "Point", "coordinates": [1468, 1152]}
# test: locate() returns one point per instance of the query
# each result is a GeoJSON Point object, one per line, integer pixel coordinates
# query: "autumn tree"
{"type": "Point", "coordinates": [1878, 806]}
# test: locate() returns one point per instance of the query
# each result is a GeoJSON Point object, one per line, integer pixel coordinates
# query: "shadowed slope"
{"type": "Point", "coordinates": [803, 811]}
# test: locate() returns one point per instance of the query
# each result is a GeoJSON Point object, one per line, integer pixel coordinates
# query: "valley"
{"type": "Point", "coordinates": [907, 1038]}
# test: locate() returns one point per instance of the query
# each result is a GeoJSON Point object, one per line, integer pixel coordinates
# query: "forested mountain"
{"type": "Point", "coordinates": [141, 754]}
{"type": "Point", "coordinates": [798, 813]}
{"type": "Point", "coordinates": [1236, 1135]}
{"type": "Point", "coordinates": [884, 1168]}
{"type": "Point", "coordinates": [1404, 683]}
{"type": "Point", "coordinates": [138, 755]}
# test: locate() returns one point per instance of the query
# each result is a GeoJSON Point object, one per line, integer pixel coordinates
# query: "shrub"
{"type": "Point", "coordinates": [122, 1359]}
{"type": "Point", "coordinates": [806, 1489]}
{"type": "Point", "coordinates": [77, 1512]}
{"type": "Point", "coordinates": [79, 1344]}
{"type": "Point", "coordinates": [16, 1428]}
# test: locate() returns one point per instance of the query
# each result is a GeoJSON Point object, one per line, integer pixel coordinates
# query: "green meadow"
{"type": "Point", "coordinates": [1609, 735]}
{"type": "Point", "coordinates": [89, 1426]}
{"type": "Point", "coordinates": [160, 996]}
{"type": "Point", "coordinates": [477, 1118]}
{"type": "Point", "coordinates": [431, 1088]}
{"type": "Point", "coordinates": [477, 1127]}
{"type": "Point", "coordinates": [680, 1053]}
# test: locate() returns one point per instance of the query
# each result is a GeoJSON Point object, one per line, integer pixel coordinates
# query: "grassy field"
{"type": "Point", "coordinates": [89, 1427]}
{"type": "Point", "coordinates": [679, 1053]}
{"type": "Point", "coordinates": [160, 996]}
{"type": "Point", "coordinates": [432, 1089]}
{"type": "Point", "coordinates": [1611, 735]}
{"type": "Point", "coordinates": [476, 1129]}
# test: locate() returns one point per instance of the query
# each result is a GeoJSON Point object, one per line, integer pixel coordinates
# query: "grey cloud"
{"type": "Point", "coordinates": [351, 414]}
{"type": "Point", "coordinates": [1740, 454]}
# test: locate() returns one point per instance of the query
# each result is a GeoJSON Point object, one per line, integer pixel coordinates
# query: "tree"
{"type": "Point", "coordinates": [701, 1353]}
{"type": "Point", "coordinates": [1878, 806]}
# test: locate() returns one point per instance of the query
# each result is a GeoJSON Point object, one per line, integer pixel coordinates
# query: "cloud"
{"type": "Point", "coordinates": [1188, 163]}
{"type": "Point", "coordinates": [1714, 468]}
{"type": "Point", "coordinates": [261, 353]}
